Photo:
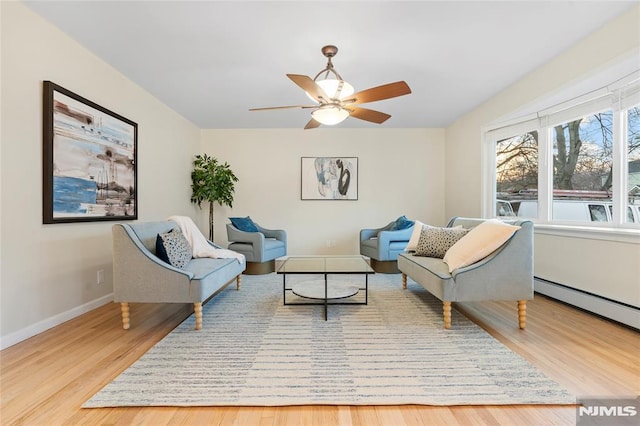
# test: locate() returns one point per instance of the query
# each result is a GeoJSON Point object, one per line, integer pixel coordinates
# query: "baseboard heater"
{"type": "Point", "coordinates": [611, 309]}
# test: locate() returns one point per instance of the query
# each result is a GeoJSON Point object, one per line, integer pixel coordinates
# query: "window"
{"type": "Point", "coordinates": [516, 173]}
{"type": "Point", "coordinates": [582, 166]}
{"type": "Point", "coordinates": [598, 213]}
{"type": "Point", "coordinates": [574, 164]}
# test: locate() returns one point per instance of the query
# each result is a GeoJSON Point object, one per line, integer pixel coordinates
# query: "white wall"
{"type": "Point", "coordinates": [48, 272]}
{"type": "Point", "coordinates": [401, 171]}
{"type": "Point", "coordinates": [608, 269]}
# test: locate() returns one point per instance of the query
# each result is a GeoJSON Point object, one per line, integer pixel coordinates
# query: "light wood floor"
{"type": "Point", "coordinates": [45, 380]}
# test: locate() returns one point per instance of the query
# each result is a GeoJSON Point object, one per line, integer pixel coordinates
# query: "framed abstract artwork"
{"type": "Point", "coordinates": [329, 178]}
{"type": "Point", "coordinates": [89, 160]}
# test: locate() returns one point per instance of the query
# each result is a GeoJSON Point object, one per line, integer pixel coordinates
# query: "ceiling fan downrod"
{"type": "Point", "coordinates": [329, 52]}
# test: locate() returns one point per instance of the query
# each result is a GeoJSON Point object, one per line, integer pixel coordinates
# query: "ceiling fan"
{"type": "Point", "coordinates": [336, 99]}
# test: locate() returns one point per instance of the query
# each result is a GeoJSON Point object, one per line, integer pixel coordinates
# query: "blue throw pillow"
{"type": "Point", "coordinates": [402, 223]}
{"type": "Point", "coordinates": [244, 224]}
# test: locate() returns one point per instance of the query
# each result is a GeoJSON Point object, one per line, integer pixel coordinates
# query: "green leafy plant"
{"type": "Point", "coordinates": [212, 182]}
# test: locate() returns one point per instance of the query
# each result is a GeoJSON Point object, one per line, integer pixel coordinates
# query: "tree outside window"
{"type": "Point", "coordinates": [516, 173]}
{"type": "Point", "coordinates": [583, 157]}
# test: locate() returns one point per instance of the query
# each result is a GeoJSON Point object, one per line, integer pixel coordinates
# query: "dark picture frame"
{"type": "Point", "coordinates": [329, 178]}
{"type": "Point", "coordinates": [89, 160]}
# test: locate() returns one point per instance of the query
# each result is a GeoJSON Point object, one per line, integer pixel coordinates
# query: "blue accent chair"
{"type": "Point", "coordinates": [259, 248]}
{"type": "Point", "coordinates": [382, 246]}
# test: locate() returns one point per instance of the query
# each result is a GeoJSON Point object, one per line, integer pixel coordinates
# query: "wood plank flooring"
{"type": "Point", "coordinates": [45, 380]}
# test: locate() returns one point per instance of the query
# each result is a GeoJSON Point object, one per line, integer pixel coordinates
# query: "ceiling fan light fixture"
{"type": "Point", "coordinates": [331, 87]}
{"type": "Point", "coordinates": [330, 115]}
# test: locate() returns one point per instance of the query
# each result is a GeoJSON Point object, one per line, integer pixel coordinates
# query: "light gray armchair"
{"type": "Point", "coordinates": [382, 245]}
{"type": "Point", "coordinates": [260, 248]}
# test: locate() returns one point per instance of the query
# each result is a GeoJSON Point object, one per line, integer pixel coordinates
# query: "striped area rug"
{"type": "Point", "coordinates": [253, 351]}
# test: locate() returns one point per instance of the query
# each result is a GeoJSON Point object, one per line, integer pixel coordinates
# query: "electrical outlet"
{"type": "Point", "coordinates": [100, 277]}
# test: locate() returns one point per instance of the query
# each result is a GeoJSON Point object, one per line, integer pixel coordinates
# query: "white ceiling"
{"type": "Point", "coordinates": [213, 60]}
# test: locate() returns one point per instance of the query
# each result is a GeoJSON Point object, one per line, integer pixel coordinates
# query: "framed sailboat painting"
{"type": "Point", "coordinates": [89, 160]}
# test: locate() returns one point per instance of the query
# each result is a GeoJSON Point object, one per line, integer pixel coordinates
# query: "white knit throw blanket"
{"type": "Point", "coordinates": [199, 244]}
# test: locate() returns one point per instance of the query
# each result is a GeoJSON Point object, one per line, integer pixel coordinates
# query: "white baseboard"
{"type": "Point", "coordinates": [44, 325]}
{"type": "Point", "coordinates": [607, 308]}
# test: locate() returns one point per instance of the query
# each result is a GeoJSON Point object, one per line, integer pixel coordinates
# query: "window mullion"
{"type": "Point", "coordinates": [545, 174]}
{"type": "Point", "coordinates": [619, 167]}
{"type": "Point", "coordinates": [488, 187]}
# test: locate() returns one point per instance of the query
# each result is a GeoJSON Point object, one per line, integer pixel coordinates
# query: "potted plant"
{"type": "Point", "coordinates": [212, 182]}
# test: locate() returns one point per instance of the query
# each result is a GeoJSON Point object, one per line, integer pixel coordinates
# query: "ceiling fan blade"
{"type": "Point", "coordinates": [283, 107]}
{"type": "Point", "coordinates": [386, 91]}
{"type": "Point", "coordinates": [309, 86]}
{"type": "Point", "coordinates": [369, 115]}
{"type": "Point", "coordinates": [312, 124]}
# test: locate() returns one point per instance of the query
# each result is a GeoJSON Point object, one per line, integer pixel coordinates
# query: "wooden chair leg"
{"type": "Point", "coordinates": [197, 307]}
{"type": "Point", "coordinates": [522, 314]}
{"type": "Point", "coordinates": [238, 281]}
{"type": "Point", "coordinates": [126, 322]}
{"type": "Point", "coordinates": [446, 309]}
{"type": "Point", "coordinates": [404, 281]}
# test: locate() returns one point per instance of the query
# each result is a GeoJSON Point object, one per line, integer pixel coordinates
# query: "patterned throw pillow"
{"type": "Point", "coordinates": [173, 248]}
{"type": "Point", "coordinates": [434, 242]}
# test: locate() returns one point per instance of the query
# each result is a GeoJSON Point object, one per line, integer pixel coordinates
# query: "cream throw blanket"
{"type": "Point", "coordinates": [199, 244]}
